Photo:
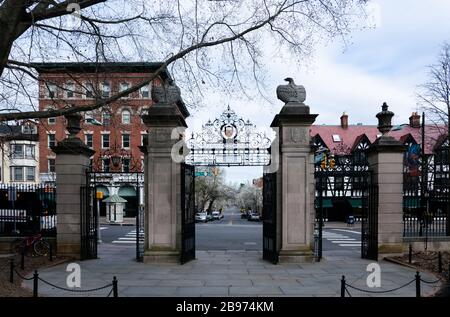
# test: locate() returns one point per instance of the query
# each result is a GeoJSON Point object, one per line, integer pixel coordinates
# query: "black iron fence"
{"type": "Point", "coordinates": [346, 287]}
{"type": "Point", "coordinates": [113, 286]}
{"type": "Point", "coordinates": [27, 209]}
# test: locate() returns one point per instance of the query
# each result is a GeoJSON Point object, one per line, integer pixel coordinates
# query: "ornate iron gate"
{"type": "Point", "coordinates": [270, 247]}
{"type": "Point", "coordinates": [369, 223]}
{"type": "Point", "coordinates": [347, 182]}
{"type": "Point", "coordinates": [187, 213]}
{"type": "Point", "coordinates": [140, 234]}
{"type": "Point", "coordinates": [89, 222]}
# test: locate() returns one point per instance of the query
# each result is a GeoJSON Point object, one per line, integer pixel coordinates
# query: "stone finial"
{"type": "Point", "coordinates": [291, 93]}
{"type": "Point", "coordinates": [384, 119]}
{"type": "Point", "coordinates": [73, 124]}
{"type": "Point", "coordinates": [167, 93]}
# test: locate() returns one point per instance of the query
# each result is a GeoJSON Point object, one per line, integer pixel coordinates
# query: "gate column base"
{"type": "Point", "coordinates": [296, 256]}
{"type": "Point", "coordinates": [172, 257]}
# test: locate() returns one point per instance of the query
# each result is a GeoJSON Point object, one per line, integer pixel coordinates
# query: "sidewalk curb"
{"type": "Point", "coordinates": [440, 284]}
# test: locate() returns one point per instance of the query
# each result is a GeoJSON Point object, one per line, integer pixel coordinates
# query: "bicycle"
{"type": "Point", "coordinates": [35, 243]}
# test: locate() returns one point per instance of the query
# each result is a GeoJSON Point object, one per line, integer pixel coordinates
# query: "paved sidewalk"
{"type": "Point", "coordinates": [228, 273]}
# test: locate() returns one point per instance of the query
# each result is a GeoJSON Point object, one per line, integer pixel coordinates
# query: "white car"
{"type": "Point", "coordinates": [217, 215]}
{"type": "Point", "coordinates": [201, 217]}
{"type": "Point", "coordinates": [254, 216]}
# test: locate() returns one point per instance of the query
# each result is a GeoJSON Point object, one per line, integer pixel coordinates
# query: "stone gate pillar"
{"type": "Point", "coordinates": [296, 175]}
{"type": "Point", "coordinates": [162, 189]}
{"type": "Point", "coordinates": [72, 161]}
{"type": "Point", "coordinates": [385, 158]}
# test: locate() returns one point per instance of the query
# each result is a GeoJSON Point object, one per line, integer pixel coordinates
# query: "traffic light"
{"type": "Point", "coordinates": [323, 164]}
{"type": "Point", "coordinates": [332, 163]}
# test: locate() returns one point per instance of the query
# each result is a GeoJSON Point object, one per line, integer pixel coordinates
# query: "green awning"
{"type": "Point", "coordinates": [356, 202]}
{"type": "Point", "coordinates": [411, 202]}
{"type": "Point", "coordinates": [326, 203]}
{"type": "Point", "coordinates": [127, 191]}
{"type": "Point", "coordinates": [103, 189]}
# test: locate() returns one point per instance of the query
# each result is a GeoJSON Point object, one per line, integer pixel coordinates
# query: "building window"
{"type": "Point", "coordinates": [16, 174]}
{"type": "Point", "coordinates": [51, 140]}
{"type": "Point", "coordinates": [51, 165]}
{"type": "Point", "coordinates": [89, 90]}
{"type": "Point", "coordinates": [336, 138]}
{"type": "Point", "coordinates": [29, 151]}
{"type": "Point", "coordinates": [31, 171]}
{"type": "Point", "coordinates": [16, 151]}
{"type": "Point", "coordinates": [125, 140]}
{"type": "Point", "coordinates": [123, 87]}
{"type": "Point", "coordinates": [105, 164]}
{"type": "Point", "coordinates": [89, 140]}
{"type": "Point", "coordinates": [126, 117]}
{"type": "Point", "coordinates": [126, 165]}
{"type": "Point", "coordinates": [106, 118]}
{"type": "Point", "coordinates": [144, 137]}
{"type": "Point", "coordinates": [106, 90]}
{"type": "Point", "coordinates": [105, 141]}
{"type": "Point", "coordinates": [51, 90]}
{"type": "Point", "coordinates": [70, 90]}
{"type": "Point", "coordinates": [145, 92]}
{"type": "Point", "coordinates": [51, 120]}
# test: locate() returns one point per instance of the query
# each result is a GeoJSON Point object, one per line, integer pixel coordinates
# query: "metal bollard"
{"type": "Point", "coordinates": [417, 284]}
{"type": "Point", "coordinates": [35, 283]}
{"type": "Point", "coordinates": [343, 286]}
{"type": "Point", "coordinates": [11, 270]}
{"type": "Point", "coordinates": [410, 254]}
{"type": "Point", "coordinates": [115, 290]}
{"type": "Point", "coordinates": [439, 262]}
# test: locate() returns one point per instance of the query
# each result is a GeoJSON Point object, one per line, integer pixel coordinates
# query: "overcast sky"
{"type": "Point", "coordinates": [384, 63]}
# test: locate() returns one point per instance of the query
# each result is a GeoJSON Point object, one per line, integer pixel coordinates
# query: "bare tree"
{"type": "Point", "coordinates": [434, 95]}
{"type": "Point", "coordinates": [207, 43]}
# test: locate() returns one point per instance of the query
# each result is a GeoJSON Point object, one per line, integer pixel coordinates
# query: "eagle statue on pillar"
{"type": "Point", "coordinates": [291, 93]}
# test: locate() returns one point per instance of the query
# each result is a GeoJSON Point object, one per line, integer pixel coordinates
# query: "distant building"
{"type": "Point", "coordinates": [115, 131]}
{"type": "Point", "coordinates": [347, 143]}
{"type": "Point", "coordinates": [19, 153]}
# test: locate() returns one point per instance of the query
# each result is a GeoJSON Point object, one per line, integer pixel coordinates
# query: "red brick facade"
{"type": "Point", "coordinates": [75, 78]}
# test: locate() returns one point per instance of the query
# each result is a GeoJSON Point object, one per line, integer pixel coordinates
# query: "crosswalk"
{"type": "Point", "coordinates": [341, 239]}
{"type": "Point", "coordinates": [130, 238]}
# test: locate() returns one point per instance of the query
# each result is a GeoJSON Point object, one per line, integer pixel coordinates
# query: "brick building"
{"type": "Point", "coordinates": [112, 131]}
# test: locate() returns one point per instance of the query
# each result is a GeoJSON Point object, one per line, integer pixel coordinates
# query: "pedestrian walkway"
{"type": "Point", "coordinates": [228, 273]}
{"type": "Point", "coordinates": [130, 238]}
{"type": "Point", "coordinates": [341, 239]}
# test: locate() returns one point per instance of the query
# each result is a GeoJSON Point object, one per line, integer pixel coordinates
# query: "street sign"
{"type": "Point", "coordinates": [203, 174]}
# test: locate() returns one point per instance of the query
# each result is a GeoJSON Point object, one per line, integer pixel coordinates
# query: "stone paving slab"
{"type": "Point", "coordinates": [238, 274]}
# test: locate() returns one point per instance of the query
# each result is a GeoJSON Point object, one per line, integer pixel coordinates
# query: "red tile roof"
{"type": "Point", "coordinates": [353, 133]}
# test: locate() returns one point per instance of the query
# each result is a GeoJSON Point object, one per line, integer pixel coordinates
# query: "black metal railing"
{"type": "Point", "coordinates": [27, 209]}
{"type": "Point", "coordinates": [114, 291]}
{"type": "Point", "coordinates": [345, 287]}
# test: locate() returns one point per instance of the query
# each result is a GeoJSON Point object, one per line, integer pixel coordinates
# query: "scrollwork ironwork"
{"type": "Point", "coordinates": [229, 140]}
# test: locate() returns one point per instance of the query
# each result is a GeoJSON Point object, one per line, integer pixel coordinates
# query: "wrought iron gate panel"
{"type": "Point", "coordinates": [270, 246]}
{"type": "Point", "coordinates": [369, 223]}
{"type": "Point", "coordinates": [89, 234]}
{"type": "Point", "coordinates": [187, 213]}
{"type": "Point", "coordinates": [140, 232]}
{"type": "Point", "coordinates": [344, 179]}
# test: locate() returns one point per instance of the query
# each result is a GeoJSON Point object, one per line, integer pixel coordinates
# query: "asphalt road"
{"type": "Point", "coordinates": [229, 233]}
{"type": "Point", "coordinates": [234, 233]}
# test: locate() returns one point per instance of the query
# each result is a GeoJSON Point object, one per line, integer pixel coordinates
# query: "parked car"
{"type": "Point", "coordinates": [254, 216]}
{"type": "Point", "coordinates": [201, 217]}
{"type": "Point", "coordinates": [217, 215]}
{"type": "Point", "coordinates": [244, 215]}
{"type": "Point", "coordinates": [209, 216]}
